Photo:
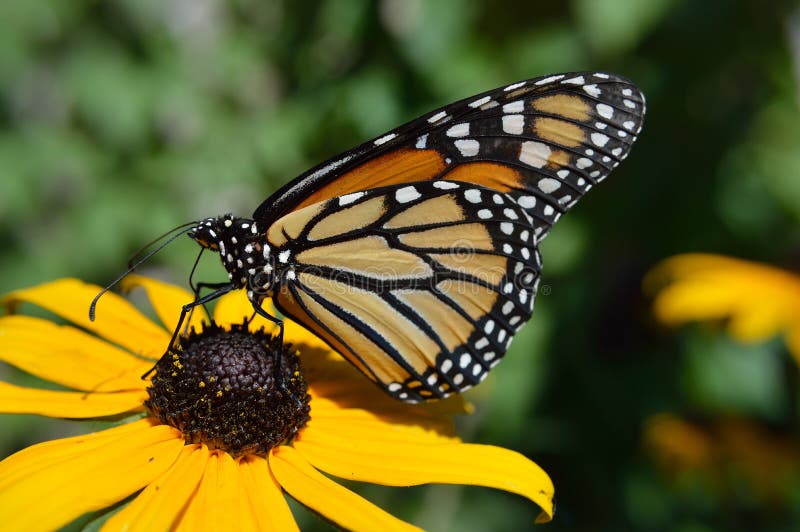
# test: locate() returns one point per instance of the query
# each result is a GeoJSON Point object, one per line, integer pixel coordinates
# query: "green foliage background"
{"type": "Point", "coordinates": [122, 119]}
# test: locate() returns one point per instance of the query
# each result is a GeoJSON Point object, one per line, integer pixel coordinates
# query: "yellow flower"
{"type": "Point", "coordinates": [757, 301]}
{"type": "Point", "coordinates": [355, 432]}
{"type": "Point", "coordinates": [729, 455]}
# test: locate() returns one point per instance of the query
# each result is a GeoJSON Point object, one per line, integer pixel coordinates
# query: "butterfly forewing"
{"type": "Point", "coordinates": [421, 286]}
{"type": "Point", "coordinates": [544, 141]}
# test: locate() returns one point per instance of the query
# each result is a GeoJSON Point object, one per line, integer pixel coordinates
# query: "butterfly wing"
{"type": "Point", "coordinates": [415, 254]}
{"type": "Point", "coordinates": [544, 141]}
{"type": "Point", "coordinates": [421, 286]}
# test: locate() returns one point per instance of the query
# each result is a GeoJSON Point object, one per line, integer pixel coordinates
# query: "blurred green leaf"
{"type": "Point", "coordinates": [616, 26]}
{"type": "Point", "coordinates": [728, 378]}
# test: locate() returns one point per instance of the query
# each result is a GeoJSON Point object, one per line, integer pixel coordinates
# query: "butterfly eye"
{"type": "Point", "coordinates": [206, 236]}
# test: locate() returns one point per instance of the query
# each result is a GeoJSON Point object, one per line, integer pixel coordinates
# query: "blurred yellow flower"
{"type": "Point", "coordinates": [355, 432]}
{"type": "Point", "coordinates": [729, 455]}
{"type": "Point", "coordinates": [756, 301]}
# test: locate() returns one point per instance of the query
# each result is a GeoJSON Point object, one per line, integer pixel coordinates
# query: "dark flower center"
{"type": "Point", "coordinates": [222, 388]}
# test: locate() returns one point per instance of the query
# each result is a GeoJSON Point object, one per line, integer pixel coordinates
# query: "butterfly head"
{"type": "Point", "coordinates": [239, 245]}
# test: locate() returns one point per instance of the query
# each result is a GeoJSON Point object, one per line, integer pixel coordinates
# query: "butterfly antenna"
{"type": "Point", "coordinates": [133, 258]}
{"type": "Point", "coordinates": [185, 228]}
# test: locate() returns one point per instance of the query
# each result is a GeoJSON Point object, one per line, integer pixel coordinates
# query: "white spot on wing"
{"type": "Point", "coordinates": [347, 199]}
{"type": "Point", "coordinates": [550, 79]}
{"type": "Point", "coordinates": [437, 117]}
{"type": "Point", "coordinates": [473, 195]}
{"type": "Point", "coordinates": [384, 139]}
{"type": "Point", "coordinates": [467, 147]}
{"type": "Point", "coordinates": [513, 124]}
{"type": "Point", "coordinates": [406, 194]}
{"type": "Point", "coordinates": [592, 90]}
{"type": "Point", "coordinates": [599, 139]}
{"type": "Point", "coordinates": [575, 81]}
{"type": "Point", "coordinates": [605, 110]}
{"type": "Point", "coordinates": [583, 162]}
{"type": "Point", "coordinates": [458, 130]}
{"type": "Point", "coordinates": [515, 86]}
{"type": "Point", "coordinates": [548, 185]}
{"type": "Point", "coordinates": [445, 185]}
{"type": "Point", "coordinates": [480, 101]}
{"type": "Point", "coordinates": [534, 153]}
{"type": "Point", "coordinates": [514, 107]}
{"type": "Point", "coordinates": [422, 142]}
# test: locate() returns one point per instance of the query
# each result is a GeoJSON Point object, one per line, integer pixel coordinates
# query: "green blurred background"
{"type": "Point", "coordinates": [122, 119]}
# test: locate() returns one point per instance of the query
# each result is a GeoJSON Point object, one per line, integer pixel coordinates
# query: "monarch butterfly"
{"type": "Point", "coordinates": [415, 255]}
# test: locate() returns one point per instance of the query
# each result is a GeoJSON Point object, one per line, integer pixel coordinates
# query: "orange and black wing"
{"type": "Point", "coordinates": [421, 286]}
{"type": "Point", "coordinates": [545, 142]}
{"type": "Point", "coordinates": [415, 254]}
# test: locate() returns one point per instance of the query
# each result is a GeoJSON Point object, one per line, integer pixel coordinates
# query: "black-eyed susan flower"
{"type": "Point", "coordinates": [756, 301]}
{"type": "Point", "coordinates": [174, 462]}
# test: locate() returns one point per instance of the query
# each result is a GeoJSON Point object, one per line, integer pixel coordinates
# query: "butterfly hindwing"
{"type": "Point", "coordinates": [422, 286]}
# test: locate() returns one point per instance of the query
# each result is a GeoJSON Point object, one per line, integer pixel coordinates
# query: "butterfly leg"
{"type": "Point", "coordinates": [199, 286]}
{"type": "Point", "coordinates": [276, 353]}
{"type": "Point", "coordinates": [186, 309]}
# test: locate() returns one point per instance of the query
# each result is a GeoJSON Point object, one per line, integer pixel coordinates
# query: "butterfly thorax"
{"type": "Point", "coordinates": [242, 250]}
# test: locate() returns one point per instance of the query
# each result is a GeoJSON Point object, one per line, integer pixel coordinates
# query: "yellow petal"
{"type": "Point", "coordinates": [50, 484]}
{"type": "Point", "coordinates": [328, 498]}
{"type": "Point", "coordinates": [167, 300]}
{"type": "Point", "coordinates": [302, 338]}
{"type": "Point", "coordinates": [329, 418]}
{"type": "Point", "coordinates": [365, 456]}
{"type": "Point", "coordinates": [334, 379]}
{"type": "Point", "coordinates": [76, 405]}
{"type": "Point", "coordinates": [234, 308]}
{"type": "Point", "coordinates": [117, 320]}
{"type": "Point", "coordinates": [217, 503]}
{"type": "Point", "coordinates": [161, 503]}
{"type": "Point", "coordinates": [757, 300]}
{"type": "Point", "coordinates": [263, 495]}
{"type": "Point", "coordinates": [68, 356]}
